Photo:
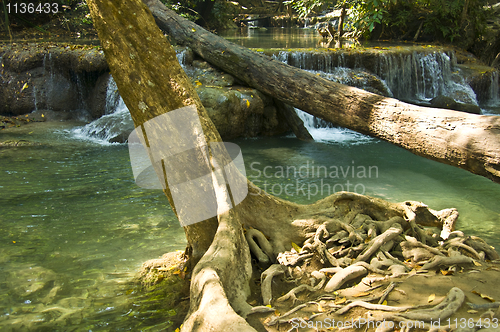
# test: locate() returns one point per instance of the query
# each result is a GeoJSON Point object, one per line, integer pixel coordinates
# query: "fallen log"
{"type": "Point", "coordinates": [467, 141]}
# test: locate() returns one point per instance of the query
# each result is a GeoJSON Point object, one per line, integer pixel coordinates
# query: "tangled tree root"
{"type": "Point", "coordinates": [346, 236]}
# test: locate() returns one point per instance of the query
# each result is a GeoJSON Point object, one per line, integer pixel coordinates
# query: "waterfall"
{"type": "Point", "coordinates": [114, 126]}
{"type": "Point", "coordinates": [412, 75]}
{"type": "Point", "coordinates": [326, 132]}
{"type": "Point", "coordinates": [113, 99]}
{"type": "Point", "coordinates": [182, 57]}
{"type": "Point", "coordinates": [116, 123]}
{"type": "Point", "coordinates": [306, 22]}
{"type": "Point", "coordinates": [494, 98]}
{"type": "Point", "coordinates": [421, 77]}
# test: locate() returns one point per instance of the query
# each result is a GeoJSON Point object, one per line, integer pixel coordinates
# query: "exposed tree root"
{"type": "Point", "coordinates": [369, 306]}
{"type": "Point", "coordinates": [340, 278]}
{"type": "Point", "coordinates": [450, 304]}
{"type": "Point", "coordinates": [260, 246]}
{"type": "Point", "coordinates": [417, 251]}
{"type": "Point", "coordinates": [266, 281]}
{"type": "Point", "coordinates": [349, 236]}
{"type": "Point", "coordinates": [479, 245]}
{"type": "Point", "coordinates": [376, 243]}
{"type": "Point", "coordinates": [439, 261]}
{"type": "Point", "coordinates": [293, 293]}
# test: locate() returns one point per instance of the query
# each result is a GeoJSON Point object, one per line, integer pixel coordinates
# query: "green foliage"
{"type": "Point", "coordinates": [444, 20]}
{"type": "Point", "coordinates": [448, 19]}
{"type": "Point", "coordinates": [305, 7]}
{"type": "Point", "coordinates": [366, 13]}
{"type": "Point", "coordinates": [184, 8]}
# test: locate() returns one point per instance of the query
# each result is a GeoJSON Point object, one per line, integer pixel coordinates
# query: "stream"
{"type": "Point", "coordinates": [75, 228]}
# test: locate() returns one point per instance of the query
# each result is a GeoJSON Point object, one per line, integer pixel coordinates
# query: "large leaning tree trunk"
{"type": "Point", "coordinates": [152, 84]}
{"type": "Point", "coordinates": [464, 140]}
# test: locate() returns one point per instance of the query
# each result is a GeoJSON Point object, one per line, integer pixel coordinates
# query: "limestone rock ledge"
{"type": "Point", "coordinates": [74, 80]}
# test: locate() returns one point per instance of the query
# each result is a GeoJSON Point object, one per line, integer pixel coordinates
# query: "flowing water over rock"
{"type": "Point", "coordinates": [114, 126]}
{"type": "Point", "coordinates": [413, 73]}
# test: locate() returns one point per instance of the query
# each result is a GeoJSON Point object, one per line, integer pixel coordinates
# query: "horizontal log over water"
{"type": "Point", "coordinates": [468, 141]}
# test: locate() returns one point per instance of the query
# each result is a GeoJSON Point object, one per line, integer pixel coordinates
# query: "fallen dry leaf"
{"type": "Point", "coordinates": [340, 300]}
{"type": "Point", "coordinates": [486, 297]}
{"type": "Point", "coordinates": [296, 247]}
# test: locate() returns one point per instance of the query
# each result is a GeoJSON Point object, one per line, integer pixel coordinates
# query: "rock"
{"type": "Point", "coordinates": [43, 76]}
{"type": "Point", "coordinates": [449, 103]}
{"type": "Point", "coordinates": [202, 73]}
{"type": "Point", "coordinates": [468, 108]}
{"type": "Point", "coordinates": [17, 143]}
{"type": "Point", "coordinates": [443, 102]}
{"type": "Point", "coordinates": [241, 112]}
{"type": "Point", "coordinates": [97, 98]}
{"type": "Point", "coordinates": [28, 280]}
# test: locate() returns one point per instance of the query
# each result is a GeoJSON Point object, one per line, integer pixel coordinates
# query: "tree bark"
{"type": "Point", "coordinates": [341, 26]}
{"type": "Point", "coordinates": [293, 121]}
{"type": "Point", "coordinates": [467, 141]}
{"type": "Point", "coordinates": [149, 77]}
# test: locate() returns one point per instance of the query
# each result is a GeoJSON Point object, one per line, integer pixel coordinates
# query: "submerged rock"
{"type": "Point", "coordinates": [17, 143]}
{"type": "Point", "coordinates": [28, 280]}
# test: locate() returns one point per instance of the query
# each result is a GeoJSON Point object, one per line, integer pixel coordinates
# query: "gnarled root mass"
{"type": "Point", "coordinates": [343, 254]}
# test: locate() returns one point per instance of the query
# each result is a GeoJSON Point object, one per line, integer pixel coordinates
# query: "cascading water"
{"type": "Point", "coordinates": [323, 131]}
{"type": "Point", "coordinates": [420, 77]}
{"type": "Point", "coordinates": [416, 76]}
{"type": "Point", "coordinates": [116, 123]}
{"type": "Point", "coordinates": [114, 126]}
{"type": "Point", "coordinates": [494, 90]}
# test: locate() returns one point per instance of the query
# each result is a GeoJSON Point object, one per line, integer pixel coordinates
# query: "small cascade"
{"type": "Point", "coordinates": [421, 77]}
{"type": "Point", "coordinates": [494, 99]}
{"type": "Point", "coordinates": [413, 75]}
{"type": "Point", "coordinates": [116, 123]}
{"type": "Point", "coordinates": [113, 98]}
{"type": "Point", "coordinates": [35, 97]}
{"type": "Point", "coordinates": [114, 126]}
{"type": "Point", "coordinates": [324, 131]}
{"type": "Point", "coordinates": [306, 22]}
{"type": "Point", "coordinates": [48, 71]}
{"type": "Point", "coordinates": [182, 57]}
{"type": "Point", "coordinates": [282, 56]}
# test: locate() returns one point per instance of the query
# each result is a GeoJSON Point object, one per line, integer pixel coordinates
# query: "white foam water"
{"type": "Point", "coordinates": [111, 128]}
{"type": "Point", "coordinates": [323, 131]}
